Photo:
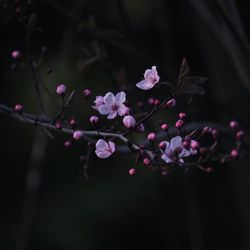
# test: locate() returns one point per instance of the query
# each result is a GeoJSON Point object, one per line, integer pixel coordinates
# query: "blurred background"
{"type": "Point", "coordinates": [106, 46]}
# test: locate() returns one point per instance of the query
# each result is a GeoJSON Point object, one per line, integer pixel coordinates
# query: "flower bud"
{"type": "Point", "coordinates": [171, 103]}
{"type": "Point", "coordinates": [186, 144]}
{"type": "Point", "coordinates": [67, 144]}
{"type": "Point", "coordinates": [132, 171]}
{"type": "Point", "coordinates": [58, 125]}
{"type": "Point", "coordinates": [86, 93]}
{"type": "Point", "coordinates": [151, 101]}
{"type": "Point", "coordinates": [209, 169]}
{"type": "Point", "coordinates": [94, 119]}
{"type": "Point", "coordinates": [72, 122]}
{"type": "Point", "coordinates": [15, 54]}
{"type": "Point", "coordinates": [140, 128]}
{"type": "Point", "coordinates": [151, 136]}
{"type": "Point", "coordinates": [164, 126]}
{"type": "Point", "coordinates": [61, 89]}
{"type": "Point", "coordinates": [240, 135]}
{"type": "Point", "coordinates": [182, 116]}
{"type": "Point", "coordinates": [194, 144]}
{"type": "Point", "coordinates": [162, 145]}
{"type": "Point", "coordinates": [156, 102]}
{"type": "Point", "coordinates": [19, 108]}
{"type": "Point", "coordinates": [215, 133]}
{"type": "Point", "coordinates": [129, 121]}
{"type": "Point", "coordinates": [233, 124]}
{"type": "Point", "coordinates": [207, 130]}
{"type": "Point", "coordinates": [146, 161]}
{"type": "Point", "coordinates": [234, 153]}
{"type": "Point", "coordinates": [179, 124]}
{"type": "Point", "coordinates": [78, 134]}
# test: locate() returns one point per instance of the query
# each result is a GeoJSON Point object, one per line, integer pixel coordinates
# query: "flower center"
{"type": "Point", "coordinates": [114, 107]}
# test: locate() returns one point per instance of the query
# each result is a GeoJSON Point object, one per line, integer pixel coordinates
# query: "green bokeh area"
{"type": "Point", "coordinates": [112, 210]}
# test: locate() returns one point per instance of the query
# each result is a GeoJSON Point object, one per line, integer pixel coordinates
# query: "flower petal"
{"type": "Point", "coordinates": [184, 153]}
{"type": "Point", "coordinates": [147, 74]}
{"type": "Point", "coordinates": [145, 85]}
{"type": "Point", "coordinates": [176, 142]}
{"type": "Point", "coordinates": [166, 158]}
{"type": "Point", "coordinates": [101, 145]}
{"type": "Point", "coordinates": [111, 147]}
{"type": "Point", "coordinates": [103, 109]}
{"type": "Point", "coordinates": [109, 99]}
{"type": "Point", "coordinates": [122, 110]}
{"type": "Point", "coordinates": [112, 115]}
{"type": "Point", "coordinates": [102, 154]}
{"type": "Point", "coordinates": [120, 97]}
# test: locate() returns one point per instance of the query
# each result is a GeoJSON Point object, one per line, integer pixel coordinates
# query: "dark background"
{"type": "Point", "coordinates": [44, 202]}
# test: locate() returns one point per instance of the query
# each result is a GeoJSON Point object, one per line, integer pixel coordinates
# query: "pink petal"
{"type": "Point", "coordinates": [184, 153]}
{"type": "Point", "coordinates": [112, 115]}
{"type": "Point", "coordinates": [166, 159]}
{"type": "Point", "coordinates": [122, 110]}
{"type": "Point", "coordinates": [145, 85]}
{"type": "Point", "coordinates": [147, 74]}
{"type": "Point", "coordinates": [101, 145]}
{"type": "Point", "coordinates": [120, 98]}
{"type": "Point", "coordinates": [102, 154]}
{"type": "Point", "coordinates": [103, 109]}
{"type": "Point", "coordinates": [175, 143]}
{"type": "Point", "coordinates": [111, 146]}
{"type": "Point", "coordinates": [109, 99]}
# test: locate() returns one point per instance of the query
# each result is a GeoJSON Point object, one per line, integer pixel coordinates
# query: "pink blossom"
{"type": "Point", "coordinates": [151, 78]}
{"type": "Point", "coordinates": [104, 149]}
{"type": "Point", "coordinates": [113, 105]}
{"type": "Point", "coordinates": [78, 134]}
{"type": "Point", "coordinates": [162, 145]}
{"type": "Point", "coordinates": [151, 101]}
{"type": "Point", "coordinates": [19, 108]}
{"type": "Point", "coordinates": [240, 135]}
{"type": "Point", "coordinates": [132, 171]}
{"type": "Point", "coordinates": [94, 119]}
{"type": "Point", "coordinates": [174, 151]}
{"type": "Point", "coordinates": [179, 124]}
{"type": "Point", "coordinates": [61, 89]}
{"type": "Point", "coordinates": [129, 121]}
{"type": "Point", "coordinates": [151, 136]}
{"type": "Point", "coordinates": [15, 54]}
{"type": "Point", "coordinates": [182, 115]}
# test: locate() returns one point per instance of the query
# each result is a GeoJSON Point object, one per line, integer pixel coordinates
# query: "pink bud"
{"type": "Point", "coordinates": [72, 122]}
{"type": "Point", "coordinates": [86, 93]}
{"type": "Point", "coordinates": [182, 116]}
{"type": "Point", "coordinates": [179, 124]}
{"type": "Point", "coordinates": [61, 89]}
{"type": "Point", "coordinates": [151, 101]}
{"type": "Point", "coordinates": [146, 161]}
{"type": "Point", "coordinates": [162, 145]}
{"type": "Point", "coordinates": [126, 111]}
{"type": "Point", "coordinates": [94, 119]}
{"type": "Point", "coordinates": [19, 108]}
{"type": "Point", "coordinates": [240, 135]}
{"type": "Point", "coordinates": [233, 124]}
{"type": "Point", "coordinates": [171, 103]}
{"type": "Point", "coordinates": [164, 126]}
{"type": "Point", "coordinates": [67, 144]}
{"type": "Point", "coordinates": [207, 130]}
{"type": "Point", "coordinates": [58, 125]}
{"type": "Point", "coordinates": [234, 153]}
{"type": "Point", "coordinates": [132, 171]}
{"type": "Point", "coordinates": [15, 54]}
{"type": "Point", "coordinates": [209, 169]}
{"type": "Point", "coordinates": [129, 121]}
{"type": "Point", "coordinates": [151, 136]}
{"type": "Point", "coordinates": [194, 144]}
{"type": "Point", "coordinates": [77, 135]}
{"type": "Point", "coordinates": [156, 102]}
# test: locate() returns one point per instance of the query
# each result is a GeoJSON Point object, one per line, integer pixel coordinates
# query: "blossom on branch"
{"type": "Point", "coordinates": [151, 78]}
{"type": "Point", "coordinates": [112, 105]}
{"type": "Point", "coordinates": [104, 149]}
{"type": "Point", "coordinates": [174, 150]}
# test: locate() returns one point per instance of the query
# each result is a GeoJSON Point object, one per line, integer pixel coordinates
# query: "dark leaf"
{"type": "Point", "coordinates": [193, 90]}
{"type": "Point", "coordinates": [184, 71]}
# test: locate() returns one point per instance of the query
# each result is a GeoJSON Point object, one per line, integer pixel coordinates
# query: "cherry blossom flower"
{"type": "Point", "coordinates": [151, 78]}
{"type": "Point", "coordinates": [104, 149]}
{"type": "Point", "coordinates": [129, 121]}
{"type": "Point", "coordinates": [174, 151]}
{"type": "Point", "coordinates": [113, 105]}
{"type": "Point", "coordinates": [61, 89]}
